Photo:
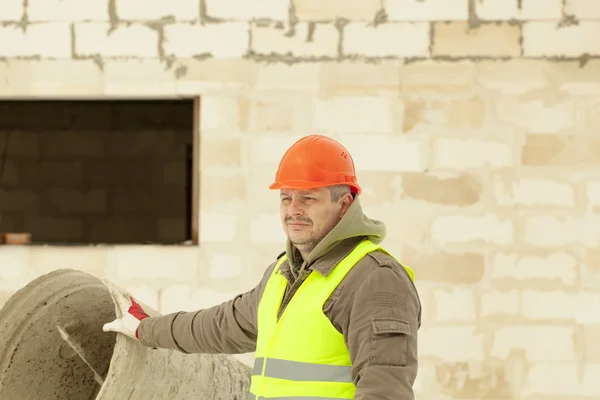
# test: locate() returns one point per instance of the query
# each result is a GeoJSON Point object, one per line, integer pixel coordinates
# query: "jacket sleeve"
{"type": "Point", "coordinates": [229, 328]}
{"type": "Point", "coordinates": [382, 335]}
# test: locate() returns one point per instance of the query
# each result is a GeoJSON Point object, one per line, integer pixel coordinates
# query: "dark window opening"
{"type": "Point", "coordinates": [101, 172]}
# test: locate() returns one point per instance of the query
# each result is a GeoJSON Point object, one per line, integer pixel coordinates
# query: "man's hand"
{"type": "Point", "coordinates": [129, 322]}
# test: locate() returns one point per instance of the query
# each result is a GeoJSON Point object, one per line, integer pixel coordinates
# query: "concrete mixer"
{"type": "Point", "coordinates": [52, 347]}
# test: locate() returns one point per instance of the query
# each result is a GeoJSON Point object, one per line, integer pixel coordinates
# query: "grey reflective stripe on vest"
{"type": "Point", "coordinates": [298, 371]}
{"type": "Point", "coordinates": [251, 396]}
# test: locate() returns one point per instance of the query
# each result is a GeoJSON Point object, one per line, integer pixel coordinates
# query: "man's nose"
{"type": "Point", "coordinates": [294, 208]}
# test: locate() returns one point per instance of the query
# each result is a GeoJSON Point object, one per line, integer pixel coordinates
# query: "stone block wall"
{"type": "Point", "coordinates": [473, 124]}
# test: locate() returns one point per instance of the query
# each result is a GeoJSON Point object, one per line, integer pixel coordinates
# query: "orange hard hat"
{"type": "Point", "coordinates": [316, 161]}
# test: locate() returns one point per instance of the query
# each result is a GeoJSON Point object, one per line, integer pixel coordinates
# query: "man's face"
{"type": "Point", "coordinates": [308, 215]}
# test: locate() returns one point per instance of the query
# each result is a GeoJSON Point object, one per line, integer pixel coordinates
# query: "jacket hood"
{"type": "Point", "coordinates": [353, 224]}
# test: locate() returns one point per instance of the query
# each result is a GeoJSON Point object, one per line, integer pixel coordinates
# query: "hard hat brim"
{"type": "Point", "coordinates": [306, 185]}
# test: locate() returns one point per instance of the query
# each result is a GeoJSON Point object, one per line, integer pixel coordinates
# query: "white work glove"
{"type": "Point", "coordinates": [129, 322]}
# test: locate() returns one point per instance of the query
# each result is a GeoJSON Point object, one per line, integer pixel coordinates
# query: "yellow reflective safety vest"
{"type": "Point", "coordinates": [303, 356]}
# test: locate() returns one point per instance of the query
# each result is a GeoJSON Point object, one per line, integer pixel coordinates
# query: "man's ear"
{"type": "Point", "coordinates": [346, 202]}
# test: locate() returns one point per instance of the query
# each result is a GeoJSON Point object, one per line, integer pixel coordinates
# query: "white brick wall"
{"type": "Point", "coordinates": [48, 40]}
{"type": "Point", "coordinates": [97, 38]}
{"type": "Point", "coordinates": [233, 40]}
{"type": "Point", "coordinates": [306, 41]}
{"type": "Point", "coordinates": [544, 38]}
{"type": "Point", "coordinates": [489, 113]}
{"type": "Point", "coordinates": [11, 10]}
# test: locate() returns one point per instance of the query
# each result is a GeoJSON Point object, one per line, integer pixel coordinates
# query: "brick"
{"type": "Point", "coordinates": [460, 114]}
{"type": "Point", "coordinates": [10, 174]}
{"type": "Point", "coordinates": [51, 173]}
{"type": "Point", "coordinates": [457, 229]}
{"type": "Point", "coordinates": [23, 144]}
{"type": "Point", "coordinates": [445, 267]}
{"type": "Point", "coordinates": [122, 229]}
{"type": "Point", "coordinates": [234, 42]}
{"type": "Point", "coordinates": [362, 39]}
{"type": "Point", "coordinates": [555, 150]}
{"type": "Point", "coordinates": [464, 154]}
{"type": "Point", "coordinates": [382, 153]}
{"type": "Point", "coordinates": [220, 153]}
{"type": "Point", "coordinates": [428, 10]}
{"type": "Point", "coordinates": [433, 342]}
{"type": "Point", "coordinates": [135, 40]}
{"type": "Point", "coordinates": [299, 77]}
{"type": "Point", "coordinates": [358, 78]}
{"type": "Point", "coordinates": [18, 275]}
{"type": "Point", "coordinates": [217, 227]}
{"type": "Point", "coordinates": [68, 10]}
{"type": "Point", "coordinates": [73, 201]}
{"type": "Point", "coordinates": [174, 173]}
{"type": "Point", "coordinates": [133, 201]}
{"type": "Point", "coordinates": [593, 115]}
{"type": "Point", "coordinates": [12, 10]}
{"type": "Point", "coordinates": [534, 268]}
{"type": "Point", "coordinates": [139, 10]}
{"type": "Point", "coordinates": [514, 77]}
{"type": "Point", "coordinates": [267, 149]}
{"type": "Point", "coordinates": [248, 9]}
{"type": "Point", "coordinates": [53, 229]}
{"type": "Point", "coordinates": [175, 298]}
{"type": "Point", "coordinates": [172, 230]}
{"type": "Point", "coordinates": [576, 79]}
{"type": "Point", "coordinates": [139, 143]}
{"type": "Point", "coordinates": [496, 303]}
{"type": "Point", "coordinates": [379, 188]}
{"type": "Point", "coordinates": [454, 305]}
{"type": "Point", "coordinates": [501, 10]}
{"type": "Point", "coordinates": [533, 192]}
{"type": "Point", "coordinates": [306, 40]}
{"type": "Point", "coordinates": [222, 193]}
{"type": "Point", "coordinates": [45, 259]}
{"type": "Point", "coordinates": [535, 341]}
{"type": "Point", "coordinates": [273, 114]}
{"type": "Point", "coordinates": [45, 40]}
{"type": "Point", "coordinates": [316, 10]}
{"type": "Point", "coordinates": [590, 270]}
{"type": "Point", "coordinates": [539, 116]}
{"type": "Point", "coordinates": [415, 228]}
{"type": "Point", "coordinates": [225, 266]}
{"type": "Point", "coordinates": [138, 77]}
{"type": "Point", "coordinates": [456, 39]}
{"type": "Point", "coordinates": [544, 38]}
{"type": "Point", "coordinates": [201, 76]}
{"type": "Point", "coordinates": [219, 113]}
{"type": "Point", "coordinates": [459, 190]}
{"type": "Point", "coordinates": [266, 228]}
{"type": "Point", "coordinates": [546, 230]}
{"type": "Point", "coordinates": [593, 194]}
{"type": "Point", "coordinates": [582, 9]}
{"type": "Point", "coordinates": [429, 77]}
{"type": "Point", "coordinates": [581, 308]}
{"type": "Point", "coordinates": [119, 173]}
{"type": "Point", "coordinates": [48, 77]}
{"type": "Point", "coordinates": [73, 144]}
{"type": "Point", "coordinates": [570, 380]}
{"type": "Point", "coordinates": [586, 343]}
{"type": "Point", "coordinates": [148, 265]}
{"type": "Point", "coordinates": [19, 200]}
{"type": "Point", "coordinates": [354, 115]}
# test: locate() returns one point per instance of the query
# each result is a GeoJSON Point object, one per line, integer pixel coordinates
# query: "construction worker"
{"type": "Point", "coordinates": [335, 316]}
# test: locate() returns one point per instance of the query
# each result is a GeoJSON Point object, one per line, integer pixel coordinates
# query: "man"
{"type": "Point", "coordinates": [334, 317]}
